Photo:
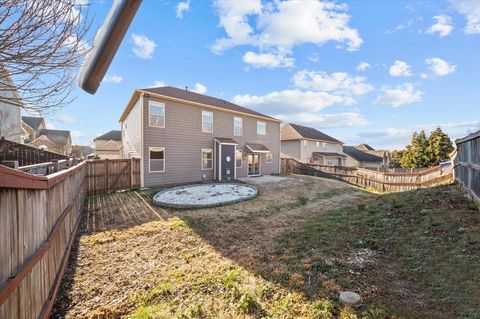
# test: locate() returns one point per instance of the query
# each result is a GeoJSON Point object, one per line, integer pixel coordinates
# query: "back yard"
{"type": "Point", "coordinates": [285, 254]}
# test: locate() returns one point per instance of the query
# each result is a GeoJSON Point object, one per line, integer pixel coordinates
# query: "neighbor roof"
{"type": "Point", "coordinates": [361, 156]}
{"type": "Point", "coordinates": [313, 134]}
{"type": "Point", "coordinates": [33, 121]}
{"type": "Point", "coordinates": [329, 154]}
{"type": "Point", "coordinates": [365, 147]}
{"type": "Point", "coordinates": [193, 97]}
{"type": "Point", "coordinates": [58, 137]}
{"type": "Point", "coordinates": [113, 135]}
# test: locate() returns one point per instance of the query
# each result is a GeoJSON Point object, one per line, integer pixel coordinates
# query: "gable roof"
{"type": "Point", "coordinates": [196, 98]}
{"type": "Point", "coordinates": [110, 145]}
{"type": "Point", "coordinates": [113, 135]}
{"type": "Point", "coordinates": [364, 147]}
{"type": "Point", "coordinates": [361, 156]}
{"type": "Point", "coordinates": [312, 133]}
{"type": "Point", "coordinates": [84, 149]}
{"type": "Point", "coordinates": [59, 137]}
{"type": "Point", "coordinates": [33, 121]}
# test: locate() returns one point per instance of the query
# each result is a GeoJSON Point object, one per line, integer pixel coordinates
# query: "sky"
{"type": "Point", "coordinates": [361, 71]}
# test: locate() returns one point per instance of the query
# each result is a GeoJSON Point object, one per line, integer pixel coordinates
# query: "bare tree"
{"type": "Point", "coordinates": [41, 47]}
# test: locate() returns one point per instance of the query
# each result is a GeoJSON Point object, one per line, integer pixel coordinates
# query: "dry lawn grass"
{"type": "Point", "coordinates": [285, 254]}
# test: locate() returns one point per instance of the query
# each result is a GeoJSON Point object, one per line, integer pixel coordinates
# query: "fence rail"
{"type": "Point", "coordinates": [381, 181]}
{"type": "Point", "coordinates": [39, 217]}
{"type": "Point", "coordinates": [109, 175]}
{"type": "Point", "coordinates": [467, 164]}
{"type": "Point", "coordinates": [26, 155]}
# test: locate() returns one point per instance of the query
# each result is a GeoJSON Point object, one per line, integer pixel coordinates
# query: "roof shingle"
{"type": "Point", "coordinates": [32, 121]}
{"type": "Point", "coordinates": [113, 135]}
{"type": "Point", "coordinates": [58, 137]}
{"type": "Point", "coordinates": [202, 99]}
{"type": "Point", "coordinates": [361, 156]}
{"type": "Point", "coordinates": [314, 134]}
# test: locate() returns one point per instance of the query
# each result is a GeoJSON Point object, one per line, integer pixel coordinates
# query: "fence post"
{"type": "Point", "coordinates": [130, 172]}
{"type": "Point", "coordinates": [106, 175]}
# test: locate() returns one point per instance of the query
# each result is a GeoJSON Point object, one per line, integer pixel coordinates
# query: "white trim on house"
{"type": "Point", "coordinates": [201, 159]}
{"type": "Point", "coordinates": [241, 158]}
{"type": "Point", "coordinates": [263, 124]}
{"type": "Point", "coordinates": [203, 128]}
{"type": "Point", "coordinates": [266, 158]}
{"type": "Point", "coordinates": [235, 127]}
{"type": "Point", "coordinates": [235, 164]}
{"type": "Point", "coordinates": [156, 149]}
{"type": "Point", "coordinates": [156, 104]}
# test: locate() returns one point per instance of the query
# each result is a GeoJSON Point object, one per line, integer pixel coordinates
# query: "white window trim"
{"type": "Point", "coordinates": [266, 158]}
{"type": "Point", "coordinates": [201, 159]}
{"type": "Point", "coordinates": [265, 127]}
{"type": "Point", "coordinates": [203, 131]}
{"type": "Point", "coordinates": [157, 149]}
{"type": "Point", "coordinates": [241, 159]}
{"type": "Point", "coordinates": [234, 127]}
{"type": "Point", "coordinates": [150, 103]}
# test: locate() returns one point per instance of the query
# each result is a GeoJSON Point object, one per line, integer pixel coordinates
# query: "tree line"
{"type": "Point", "coordinates": [424, 151]}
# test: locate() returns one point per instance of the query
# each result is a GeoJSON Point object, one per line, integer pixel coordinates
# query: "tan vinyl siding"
{"type": "Point", "coordinates": [308, 147]}
{"type": "Point", "coordinates": [183, 140]}
{"type": "Point", "coordinates": [132, 135]}
{"type": "Point", "coordinates": [292, 148]}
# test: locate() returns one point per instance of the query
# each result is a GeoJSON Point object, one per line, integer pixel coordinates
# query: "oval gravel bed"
{"type": "Point", "coordinates": [204, 195]}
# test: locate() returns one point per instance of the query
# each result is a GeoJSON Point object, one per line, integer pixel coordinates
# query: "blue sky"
{"type": "Point", "coordinates": [361, 71]}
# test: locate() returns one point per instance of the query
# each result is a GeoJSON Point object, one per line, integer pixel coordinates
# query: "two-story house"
{"type": "Point", "coordinates": [58, 141]}
{"type": "Point", "coordinates": [109, 145]}
{"type": "Point", "coordinates": [182, 137]}
{"type": "Point", "coordinates": [31, 127]}
{"type": "Point", "coordinates": [309, 145]}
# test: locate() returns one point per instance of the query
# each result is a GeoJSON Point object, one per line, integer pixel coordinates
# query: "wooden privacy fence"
{"type": "Point", "coordinates": [378, 180]}
{"type": "Point", "coordinates": [110, 175]}
{"type": "Point", "coordinates": [39, 217]}
{"type": "Point", "coordinates": [467, 164]}
{"type": "Point", "coordinates": [26, 155]}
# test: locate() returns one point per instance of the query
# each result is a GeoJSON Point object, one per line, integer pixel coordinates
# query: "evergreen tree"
{"type": "Point", "coordinates": [417, 153]}
{"type": "Point", "coordinates": [439, 146]}
{"type": "Point", "coordinates": [396, 156]}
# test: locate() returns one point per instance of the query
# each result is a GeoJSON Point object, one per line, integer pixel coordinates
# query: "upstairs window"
{"type": "Point", "coordinates": [156, 112]}
{"type": "Point", "coordinates": [157, 159]}
{"type": "Point", "coordinates": [261, 128]}
{"type": "Point", "coordinates": [237, 126]}
{"type": "Point", "coordinates": [207, 158]}
{"type": "Point", "coordinates": [207, 122]}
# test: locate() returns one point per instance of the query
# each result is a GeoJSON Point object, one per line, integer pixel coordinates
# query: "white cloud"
{"type": "Point", "coordinates": [74, 43]}
{"type": "Point", "coordinates": [65, 119]}
{"type": "Point", "coordinates": [50, 126]}
{"type": "Point", "coordinates": [183, 7]}
{"type": "Point", "coordinates": [199, 88]}
{"type": "Point", "coordinates": [262, 25]}
{"type": "Point", "coordinates": [399, 95]}
{"type": "Point", "coordinates": [443, 26]}
{"type": "Point", "coordinates": [314, 57]}
{"type": "Point", "coordinates": [471, 10]}
{"type": "Point", "coordinates": [334, 120]}
{"type": "Point", "coordinates": [143, 47]}
{"type": "Point", "coordinates": [400, 68]}
{"type": "Point", "coordinates": [158, 84]}
{"type": "Point", "coordinates": [362, 66]}
{"type": "Point", "coordinates": [291, 101]}
{"type": "Point", "coordinates": [115, 79]}
{"type": "Point", "coordinates": [337, 82]}
{"type": "Point", "coordinates": [77, 134]}
{"type": "Point", "coordinates": [268, 60]}
{"type": "Point", "coordinates": [387, 138]}
{"type": "Point", "coordinates": [440, 67]}
{"type": "Point", "coordinates": [424, 75]}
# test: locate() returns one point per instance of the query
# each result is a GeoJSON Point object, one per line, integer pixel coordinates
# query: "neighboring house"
{"type": "Point", "coordinates": [81, 151]}
{"type": "Point", "coordinates": [309, 145]}
{"type": "Point", "coordinates": [10, 122]}
{"type": "Point", "coordinates": [31, 126]}
{"type": "Point", "coordinates": [58, 141]}
{"type": "Point", "coordinates": [182, 137]}
{"type": "Point", "coordinates": [109, 145]}
{"type": "Point", "coordinates": [365, 156]}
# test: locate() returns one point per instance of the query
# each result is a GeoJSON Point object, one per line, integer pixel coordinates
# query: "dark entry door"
{"type": "Point", "coordinates": [228, 162]}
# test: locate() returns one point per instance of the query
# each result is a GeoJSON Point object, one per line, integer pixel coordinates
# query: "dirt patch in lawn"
{"type": "Point", "coordinates": [285, 254]}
